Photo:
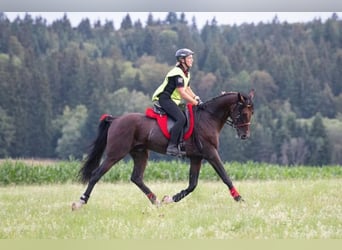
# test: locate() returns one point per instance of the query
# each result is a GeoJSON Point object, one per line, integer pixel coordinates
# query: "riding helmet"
{"type": "Point", "coordinates": [182, 53]}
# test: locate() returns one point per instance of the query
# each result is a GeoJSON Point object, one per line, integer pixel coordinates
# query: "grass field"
{"type": "Point", "coordinates": [286, 209]}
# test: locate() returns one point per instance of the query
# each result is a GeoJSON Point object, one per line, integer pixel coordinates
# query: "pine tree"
{"type": "Point", "coordinates": [126, 23]}
{"type": "Point", "coordinates": [319, 147]}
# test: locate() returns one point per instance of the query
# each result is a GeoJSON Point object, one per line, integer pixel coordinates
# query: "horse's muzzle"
{"type": "Point", "coordinates": [243, 137]}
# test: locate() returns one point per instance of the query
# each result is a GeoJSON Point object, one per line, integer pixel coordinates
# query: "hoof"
{"type": "Point", "coordinates": [167, 200]}
{"type": "Point", "coordinates": [157, 203]}
{"type": "Point", "coordinates": [77, 205]}
{"type": "Point", "coordinates": [238, 198]}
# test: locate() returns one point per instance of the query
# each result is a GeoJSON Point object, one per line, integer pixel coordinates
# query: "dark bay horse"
{"type": "Point", "coordinates": [136, 134]}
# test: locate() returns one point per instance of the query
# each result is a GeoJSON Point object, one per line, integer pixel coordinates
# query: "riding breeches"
{"type": "Point", "coordinates": [172, 110]}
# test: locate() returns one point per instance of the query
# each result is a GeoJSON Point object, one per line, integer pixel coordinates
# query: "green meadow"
{"type": "Point", "coordinates": [295, 209]}
{"type": "Point", "coordinates": [280, 203]}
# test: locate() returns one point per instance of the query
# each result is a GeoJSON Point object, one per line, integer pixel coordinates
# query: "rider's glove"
{"type": "Point", "coordinates": [199, 101]}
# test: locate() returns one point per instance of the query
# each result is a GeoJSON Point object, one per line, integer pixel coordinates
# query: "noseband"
{"type": "Point", "coordinates": [231, 123]}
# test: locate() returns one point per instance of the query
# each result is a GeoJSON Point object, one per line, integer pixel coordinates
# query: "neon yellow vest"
{"type": "Point", "coordinates": [175, 96]}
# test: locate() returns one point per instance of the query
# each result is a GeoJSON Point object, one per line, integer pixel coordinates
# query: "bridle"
{"type": "Point", "coordinates": [231, 122]}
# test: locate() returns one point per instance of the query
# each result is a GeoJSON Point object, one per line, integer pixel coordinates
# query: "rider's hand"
{"type": "Point", "coordinates": [199, 103]}
{"type": "Point", "coordinates": [198, 99]}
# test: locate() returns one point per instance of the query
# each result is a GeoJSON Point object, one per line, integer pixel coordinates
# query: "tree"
{"type": "Point", "coordinates": [124, 101]}
{"type": "Point", "coordinates": [150, 20]}
{"type": "Point", "coordinates": [72, 75]}
{"type": "Point", "coordinates": [294, 152]}
{"type": "Point", "coordinates": [151, 73]}
{"type": "Point", "coordinates": [64, 31]}
{"type": "Point", "coordinates": [15, 48]}
{"type": "Point", "coordinates": [39, 112]}
{"type": "Point", "coordinates": [332, 31]}
{"type": "Point", "coordinates": [205, 85]}
{"type": "Point", "coordinates": [150, 42]}
{"type": "Point", "coordinates": [171, 18]}
{"type": "Point", "coordinates": [326, 103]}
{"type": "Point", "coordinates": [263, 81]}
{"type": "Point", "coordinates": [5, 32]}
{"type": "Point", "coordinates": [319, 146]}
{"type": "Point", "coordinates": [70, 144]}
{"type": "Point", "coordinates": [262, 146]}
{"type": "Point", "coordinates": [7, 132]}
{"type": "Point", "coordinates": [167, 44]}
{"type": "Point", "coordinates": [217, 62]}
{"type": "Point", "coordinates": [126, 23]}
{"type": "Point", "coordinates": [336, 85]}
{"type": "Point", "coordinates": [240, 82]}
{"type": "Point", "coordinates": [182, 19]}
{"type": "Point", "coordinates": [128, 75]}
{"type": "Point", "coordinates": [108, 26]}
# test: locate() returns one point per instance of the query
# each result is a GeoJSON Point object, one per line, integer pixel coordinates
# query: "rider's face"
{"type": "Point", "coordinates": [188, 61]}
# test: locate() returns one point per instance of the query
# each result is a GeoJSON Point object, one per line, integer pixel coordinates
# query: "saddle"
{"type": "Point", "coordinates": [166, 123]}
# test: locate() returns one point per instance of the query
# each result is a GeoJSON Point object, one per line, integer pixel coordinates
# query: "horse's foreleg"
{"type": "Point", "coordinates": [96, 176]}
{"type": "Point", "coordinates": [195, 166]}
{"type": "Point", "coordinates": [219, 168]}
{"type": "Point", "coordinates": [140, 161]}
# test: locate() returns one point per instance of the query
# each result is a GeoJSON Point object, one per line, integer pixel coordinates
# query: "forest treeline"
{"type": "Point", "coordinates": [56, 80]}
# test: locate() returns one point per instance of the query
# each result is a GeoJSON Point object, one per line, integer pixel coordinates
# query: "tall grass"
{"type": "Point", "coordinates": [23, 172]}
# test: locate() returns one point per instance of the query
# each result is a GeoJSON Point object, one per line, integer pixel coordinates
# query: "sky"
{"type": "Point", "coordinates": [201, 17]}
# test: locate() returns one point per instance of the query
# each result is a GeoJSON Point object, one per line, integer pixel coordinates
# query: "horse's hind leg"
{"type": "Point", "coordinates": [140, 158]}
{"type": "Point", "coordinates": [96, 176]}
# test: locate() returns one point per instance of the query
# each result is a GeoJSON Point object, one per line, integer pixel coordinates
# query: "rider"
{"type": "Point", "coordinates": [175, 87]}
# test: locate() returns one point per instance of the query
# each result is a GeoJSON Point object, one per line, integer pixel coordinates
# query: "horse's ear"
{"type": "Point", "coordinates": [251, 93]}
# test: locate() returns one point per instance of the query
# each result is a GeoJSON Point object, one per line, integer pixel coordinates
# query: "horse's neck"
{"type": "Point", "coordinates": [220, 106]}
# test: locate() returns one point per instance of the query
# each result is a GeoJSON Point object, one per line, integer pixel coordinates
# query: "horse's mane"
{"type": "Point", "coordinates": [223, 93]}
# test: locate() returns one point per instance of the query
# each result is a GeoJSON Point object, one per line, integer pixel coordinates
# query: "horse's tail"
{"type": "Point", "coordinates": [96, 149]}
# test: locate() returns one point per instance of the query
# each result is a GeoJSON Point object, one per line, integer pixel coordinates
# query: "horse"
{"type": "Point", "coordinates": [135, 134]}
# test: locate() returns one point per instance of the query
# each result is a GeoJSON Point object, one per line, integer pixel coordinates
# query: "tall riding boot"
{"type": "Point", "coordinates": [172, 149]}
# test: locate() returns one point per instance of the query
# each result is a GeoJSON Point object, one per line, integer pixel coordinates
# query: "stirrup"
{"type": "Point", "coordinates": [175, 150]}
{"type": "Point", "coordinates": [172, 150]}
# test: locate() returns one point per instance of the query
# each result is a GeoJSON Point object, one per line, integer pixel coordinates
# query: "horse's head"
{"type": "Point", "coordinates": [241, 114]}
